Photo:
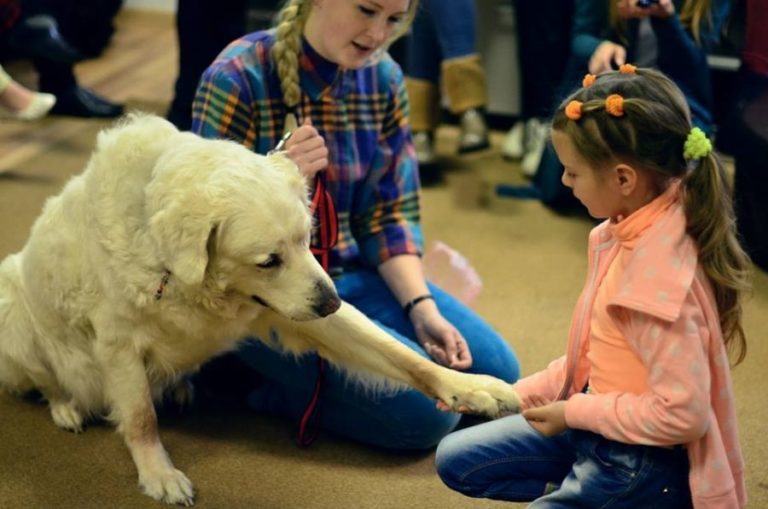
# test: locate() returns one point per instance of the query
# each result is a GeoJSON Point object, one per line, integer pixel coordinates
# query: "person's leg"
{"type": "Point", "coordinates": [401, 420]}
{"type": "Point", "coordinates": [620, 476]}
{"type": "Point", "coordinates": [505, 459]}
{"type": "Point", "coordinates": [201, 38]}
{"type": "Point", "coordinates": [422, 74]}
{"type": "Point", "coordinates": [71, 99]}
{"type": "Point", "coordinates": [461, 69]}
{"type": "Point", "coordinates": [18, 102]}
{"type": "Point", "coordinates": [491, 354]}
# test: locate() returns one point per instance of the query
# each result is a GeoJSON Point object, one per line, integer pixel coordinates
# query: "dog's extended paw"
{"type": "Point", "coordinates": [483, 394]}
{"type": "Point", "coordinates": [67, 416]}
{"type": "Point", "coordinates": [170, 486]}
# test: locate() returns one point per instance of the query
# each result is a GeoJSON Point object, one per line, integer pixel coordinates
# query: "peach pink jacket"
{"type": "Point", "coordinates": [665, 309]}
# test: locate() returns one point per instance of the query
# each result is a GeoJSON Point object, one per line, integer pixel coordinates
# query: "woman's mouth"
{"type": "Point", "coordinates": [363, 50]}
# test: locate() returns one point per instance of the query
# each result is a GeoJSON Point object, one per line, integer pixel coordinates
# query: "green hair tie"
{"type": "Point", "coordinates": [696, 145]}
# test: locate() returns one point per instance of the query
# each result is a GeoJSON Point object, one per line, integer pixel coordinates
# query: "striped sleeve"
{"type": "Point", "coordinates": [222, 106]}
{"type": "Point", "coordinates": [387, 222]}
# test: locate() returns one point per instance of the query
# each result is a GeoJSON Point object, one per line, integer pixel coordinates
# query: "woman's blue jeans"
{"type": "Point", "coordinates": [441, 31]}
{"type": "Point", "coordinates": [401, 420]}
{"type": "Point", "coordinates": [507, 459]}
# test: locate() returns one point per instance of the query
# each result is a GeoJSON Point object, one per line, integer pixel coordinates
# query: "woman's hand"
{"type": "Point", "coordinates": [307, 149]}
{"type": "Point", "coordinates": [441, 340]}
{"type": "Point", "coordinates": [549, 419]}
{"type": "Point", "coordinates": [607, 55]}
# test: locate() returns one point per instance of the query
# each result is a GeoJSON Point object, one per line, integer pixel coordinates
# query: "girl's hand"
{"type": "Point", "coordinates": [441, 340]}
{"type": "Point", "coordinates": [307, 149]}
{"type": "Point", "coordinates": [606, 56]}
{"type": "Point", "coordinates": [549, 420]}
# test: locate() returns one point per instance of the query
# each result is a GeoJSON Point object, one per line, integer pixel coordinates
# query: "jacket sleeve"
{"type": "Point", "coordinates": [684, 59]}
{"type": "Point", "coordinates": [386, 218]}
{"type": "Point", "coordinates": [675, 409]}
{"type": "Point", "coordinates": [546, 383]}
{"type": "Point", "coordinates": [590, 28]}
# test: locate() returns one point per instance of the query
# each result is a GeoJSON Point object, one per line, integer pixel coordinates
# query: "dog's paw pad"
{"type": "Point", "coordinates": [67, 416]}
{"type": "Point", "coordinates": [171, 487]}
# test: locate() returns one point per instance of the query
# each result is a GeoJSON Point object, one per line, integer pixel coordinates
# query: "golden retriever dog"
{"type": "Point", "coordinates": [162, 254]}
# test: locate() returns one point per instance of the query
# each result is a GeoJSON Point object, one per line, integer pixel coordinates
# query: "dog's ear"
{"type": "Point", "coordinates": [183, 242]}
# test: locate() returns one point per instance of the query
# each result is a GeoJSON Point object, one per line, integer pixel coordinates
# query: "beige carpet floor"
{"type": "Point", "coordinates": [532, 262]}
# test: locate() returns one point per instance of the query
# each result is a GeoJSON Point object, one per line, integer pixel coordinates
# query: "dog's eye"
{"type": "Point", "coordinates": [271, 262]}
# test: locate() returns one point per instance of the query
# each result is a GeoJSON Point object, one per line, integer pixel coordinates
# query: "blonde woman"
{"type": "Point", "coordinates": [323, 74]}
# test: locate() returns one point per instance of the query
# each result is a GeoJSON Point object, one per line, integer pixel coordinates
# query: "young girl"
{"type": "Point", "coordinates": [324, 68]}
{"type": "Point", "coordinates": [639, 412]}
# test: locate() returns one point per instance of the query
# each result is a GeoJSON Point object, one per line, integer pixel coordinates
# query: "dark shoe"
{"type": "Point", "coordinates": [81, 102]}
{"type": "Point", "coordinates": [39, 37]}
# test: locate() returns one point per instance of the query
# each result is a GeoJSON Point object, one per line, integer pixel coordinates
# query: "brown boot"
{"type": "Point", "coordinates": [467, 96]}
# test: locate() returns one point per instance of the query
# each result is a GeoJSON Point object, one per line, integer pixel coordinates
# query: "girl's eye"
{"type": "Point", "coordinates": [271, 262]}
{"type": "Point", "coordinates": [395, 20]}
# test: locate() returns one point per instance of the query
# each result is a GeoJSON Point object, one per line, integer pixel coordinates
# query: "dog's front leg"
{"type": "Point", "coordinates": [128, 393]}
{"type": "Point", "coordinates": [350, 340]}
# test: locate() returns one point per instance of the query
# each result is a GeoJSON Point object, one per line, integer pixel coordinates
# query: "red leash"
{"type": "Point", "coordinates": [327, 236]}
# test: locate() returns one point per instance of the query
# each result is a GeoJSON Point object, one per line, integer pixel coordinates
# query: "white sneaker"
{"type": "Point", "coordinates": [513, 146]}
{"type": "Point", "coordinates": [425, 152]}
{"type": "Point", "coordinates": [474, 132]}
{"type": "Point", "coordinates": [536, 135]}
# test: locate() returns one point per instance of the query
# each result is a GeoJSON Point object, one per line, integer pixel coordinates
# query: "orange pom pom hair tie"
{"type": "Point", "coordinates": [573, 110]}
{"type": "Point", "coordinates": [627, 69]}
{"type": "Point", "coordinates": [614, 105]}
{"type": "Point", "coordinates": [588, 80]}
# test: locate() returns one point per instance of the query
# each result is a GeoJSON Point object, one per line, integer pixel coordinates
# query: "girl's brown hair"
{"type": "Point", "coordinates": [289, 26]}
{"type": "Point", "coordinates": [651, 134]}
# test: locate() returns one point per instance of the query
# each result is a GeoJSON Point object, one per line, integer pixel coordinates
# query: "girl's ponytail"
{"type": "Point", "coordinates": [710, 216]}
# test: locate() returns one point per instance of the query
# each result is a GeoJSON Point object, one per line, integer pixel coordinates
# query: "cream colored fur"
{"type": "Point", "coordinates": [79, 317]}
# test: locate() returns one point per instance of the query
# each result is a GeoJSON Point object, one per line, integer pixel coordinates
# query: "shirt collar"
{"type": "Point", "coordinates": [320, 76]}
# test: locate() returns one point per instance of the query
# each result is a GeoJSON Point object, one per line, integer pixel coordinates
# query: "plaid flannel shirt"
{"type": "Point", "coordinates": [362, 114]}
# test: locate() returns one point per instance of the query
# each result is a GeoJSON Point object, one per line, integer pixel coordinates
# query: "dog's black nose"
{"type": "Point", "coordinates": [327, 301]}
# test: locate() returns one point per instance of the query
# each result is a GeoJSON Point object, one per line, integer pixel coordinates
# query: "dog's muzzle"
{"type": "Point", "coordinates": [327, 301]}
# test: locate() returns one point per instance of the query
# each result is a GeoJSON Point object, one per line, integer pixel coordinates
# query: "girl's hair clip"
{"type": "Point", "coordinates": [588, 80]}
{"type": "Point", "coordinates": [573, 110]}
{"type": "Point", "coordinates": [627, 69]}
{"type": "Point", "coordinates": [697, 145]}
{"type": "Point", "coordinates": [614, 105]}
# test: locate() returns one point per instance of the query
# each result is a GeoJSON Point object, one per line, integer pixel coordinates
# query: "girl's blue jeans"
{"type": "Point", "coordinates": [401, 420]}
{"type": "Point", "coordinates": [507, 459]}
